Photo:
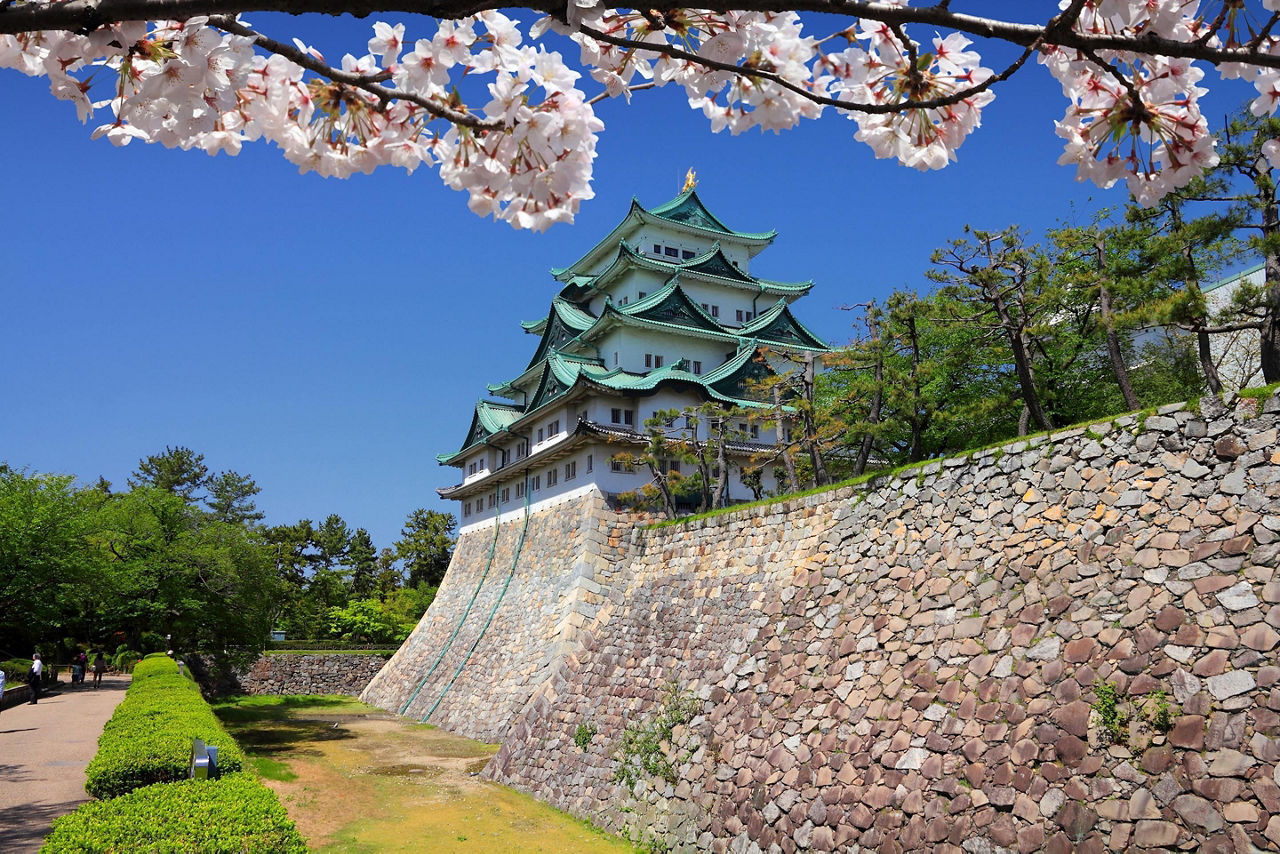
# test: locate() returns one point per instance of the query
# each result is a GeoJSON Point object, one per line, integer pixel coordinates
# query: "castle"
{"type": "Point", "coordinates": [661, 314]}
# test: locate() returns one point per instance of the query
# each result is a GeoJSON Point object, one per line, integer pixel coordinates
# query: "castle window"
{"type": "Point", "coordinates": [620, 466]}
{"type": "Point", "coordinates": [520, 489]}
{"type": "Point", "coordinates": [539, 434]}
{"type": "Point", "coordinates": [571, 470]}
{"type": "Point", "coordinates": [715, 311]}
{"type": "Point", "coordinates": [493, 500]}
{"type": "Point", "coordinates": [648, 360]}
{"type": "Point", "coordinates": [553, 477]}
{"type": "Point", "coordinates": [657, 361]}
{"type": "Point", "coordinates": [466, 509]}
{"type": "Point", "coordinates": [657, 249]}
{"type": "Point", "coordinates": [755, 431]}
{"type": "Point", "coordinates": [687, 254]}
{"type": "Point", "coordinates": [622, 416]}
{"type": "Point", "coordinates": [739, 315]}
{"type": "Point", "coordinates": [696, 366]}
{"type": "Point", "coordinates": [553, 428]}
{"type": "Point", "coordinates": [671, 251]}
{"type": "Point", "coordinates": [624, 301]}
{"type": "Point", "coordinates": [506, 494]}
{"type": "Point", "coordinates": [537, 483]}
{"type": "Point", "coordinates": [588, 463]}
{"type": "Point", "coordinates": [643, 294]}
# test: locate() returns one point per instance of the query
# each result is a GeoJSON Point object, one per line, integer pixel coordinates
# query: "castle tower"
{"type": "Point", "coordinates": [662, 313]}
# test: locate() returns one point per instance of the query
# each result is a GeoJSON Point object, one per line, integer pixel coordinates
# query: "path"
{"type": "Point", "coordinates": [43, 753]}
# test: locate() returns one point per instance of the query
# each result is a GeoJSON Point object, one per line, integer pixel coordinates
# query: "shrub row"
{"type": "Point", "coordinates": [148, 739]}
{"type": "Point", "coordinates": [233, 815]}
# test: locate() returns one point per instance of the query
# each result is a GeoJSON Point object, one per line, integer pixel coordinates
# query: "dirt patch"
{"type": "Point", "coordinates": [368, 782]}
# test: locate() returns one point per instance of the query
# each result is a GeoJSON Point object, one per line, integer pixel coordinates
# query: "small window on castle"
{"type": "Point", "coordinates": [520, 489]}
{"type": "Point", "coordinates": [755, 431]}
{"type": "Point", "coordinates": [706, 307]}
{"type": "Point", "coordinates": [539, 434]}
{"type": "Point", "coordinates": [553, 429]}
{"type": "Point", "coordinates": [657, 361]}
{"type": "Point", "coordinates": [506, 494]}
{"type": "Point", "coordinates": [696, 366]}
{"type": "Point", "coordinates": [648, 360]}
{"type": "Point", "coordinates": [537, 483]}
{"type": "Point", "coordinates": [588, 463]}
{"type": "Point", "coordinates": [571, 470]}
{"type": "Point", "coordinates": [553, 477]}
{"type": "Point", "coordinates": [657, 249]}
{"type": "Point", "coordinates": [715, 311]}
{"type": "Point", "coordinates": [620, 466]}
{"type": "Point", "coordinates": [671, 251]}
{"type": "Point", "coordinates": [629, 417]}
{"type": "Point", "coordinates": [466, 509]}
{"type": "Point", "coordinates": [624, 301]}
{"type": "Point", "coordinates": [493, 500]}
{"type": "Point", "coordinates": [643, 294]}
{"type": "Point", "coordinates": [615, 358]}
{"type": "Point", "coordinates": [687, 254]}
{"type": "Point", "coordinates": [738, 314]}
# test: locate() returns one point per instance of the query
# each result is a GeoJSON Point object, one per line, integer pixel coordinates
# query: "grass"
{"type": "Point", "coordinates": [268, 707]}
{"type": "Point", "coordinates": [1264, 391]}
{"type": "Point", "coordinates": [358, 780]}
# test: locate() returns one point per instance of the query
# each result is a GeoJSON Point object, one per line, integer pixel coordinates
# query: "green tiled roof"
{"type": "Point", "coordinates": [688, 209]}
{"type": "Point", "coordinates": [489, 418]}
{"type": "Point", "coordinates": [778, 325]}
{"type": "Point", "coordinates": [711, 264]}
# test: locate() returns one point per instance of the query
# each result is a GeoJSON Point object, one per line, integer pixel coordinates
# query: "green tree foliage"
{"type": "Point", "coordinates": [426, 546]}
{"type": "Point", "coordinates": [230, 498]}
{"type": "Point", "coordinates": [368, 621]}
{"type": "Point", "coordinates": [178, 470]}
{"type": "Point", "coordinates": [48, 575]}
{"type": "Point", "coordinates": [362, 558]}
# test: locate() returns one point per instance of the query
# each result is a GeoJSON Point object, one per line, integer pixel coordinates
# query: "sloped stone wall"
{"type": "Point", "coordinates": [921, 666]}
{"type": "Point", "coordinates": [510, 611]}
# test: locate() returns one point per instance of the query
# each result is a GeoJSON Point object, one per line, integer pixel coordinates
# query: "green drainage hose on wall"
{"type": "Point", "coordinates": [514, 561]}
{"type": "Point", "coordinates": [493, 548]}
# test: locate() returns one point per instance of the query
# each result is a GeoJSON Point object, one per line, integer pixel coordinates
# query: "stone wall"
{"type": "Point", "coordinates": [509, 613]}
{"type": "Point", "coordinates": [923, 665]}
{"type": "Point", "coordinates": [326, 673]}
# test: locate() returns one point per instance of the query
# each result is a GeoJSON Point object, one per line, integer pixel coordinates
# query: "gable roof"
{"type": "Point", "coordinates": [685, 212]}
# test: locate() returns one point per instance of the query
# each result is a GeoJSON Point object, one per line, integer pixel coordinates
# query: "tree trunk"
{"type": "Point", "coordinates": [810, 424]}
{"type": "Point", "coordinates": [1022, 364]}
{"type": "Point", "coordinates": [1114, 353]}
{"type": "Point", "coordinates": [1207, 366]}
{"type": "Point", "coordinates": [793, 481]}
{"type": "Point", "coordinates": [1271, 323]}
{"type": "Point", "coordinates": [1024, 421]}
{"type": "Point", "coordinates": [918, 421]}
{"type": "Point", "coordinates": [877, 396]}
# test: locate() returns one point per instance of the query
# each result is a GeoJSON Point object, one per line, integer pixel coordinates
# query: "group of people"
{"type": "Point", "coordinates": [79, 666]}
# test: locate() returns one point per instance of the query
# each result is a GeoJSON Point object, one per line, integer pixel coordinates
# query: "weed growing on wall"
{"type": "Point", "coordinates": [582, 736]}
{"type": "Point", "coordinates": [646, 744]}
{"type": "Point", "coordinates": [1107, 704]}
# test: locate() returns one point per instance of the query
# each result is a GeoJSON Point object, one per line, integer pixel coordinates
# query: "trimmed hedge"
{"type": "Point", "coordinates": [233, 815]}
{"type": "Point", "coordinates": [148, 739]}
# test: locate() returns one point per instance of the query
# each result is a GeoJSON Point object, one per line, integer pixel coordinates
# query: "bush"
{"type": "Point", "coordinates": [152, 642]}
{"type": "Point", "coordinates": [148, 739]}
{"type": "Point", "coordinates": [232, 815]}
{"type": "Point", "coordinates": [125, 660]}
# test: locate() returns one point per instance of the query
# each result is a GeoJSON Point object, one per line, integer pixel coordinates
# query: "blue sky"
{"type": "Point", "coordinates": [330, 337]}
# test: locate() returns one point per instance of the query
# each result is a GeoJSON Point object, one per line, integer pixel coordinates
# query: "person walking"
{"type": "Point", "coordinates": [34, 675]}
{"type": "Point", "coordinates": [99, 666]}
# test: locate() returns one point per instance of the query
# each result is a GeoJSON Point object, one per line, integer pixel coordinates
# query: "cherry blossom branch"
{"type": "Point", "coordinates": [86, 15]}
{"type": "Point", "coordinates": [757, 73]}
{"type": "Point", "coordinates": [370, 83]}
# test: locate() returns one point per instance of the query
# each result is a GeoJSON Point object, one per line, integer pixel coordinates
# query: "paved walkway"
{"type": "Point", "coordinates": [43, 753]}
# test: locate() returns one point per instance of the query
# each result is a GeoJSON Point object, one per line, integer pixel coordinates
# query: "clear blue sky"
{"type": "Point", "coordinates": [329, 337]}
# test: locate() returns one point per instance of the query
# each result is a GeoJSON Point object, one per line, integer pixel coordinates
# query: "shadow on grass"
{"type": "Point", "coordinates": [265, 707]}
